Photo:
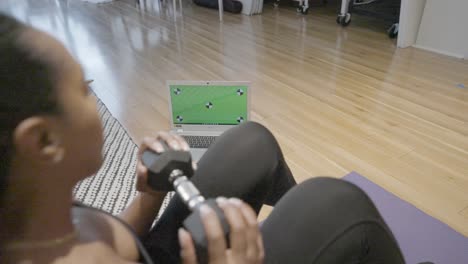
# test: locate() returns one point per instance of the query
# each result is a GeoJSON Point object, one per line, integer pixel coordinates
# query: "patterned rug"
{"type": "Point", "coordinates": [113, 186]}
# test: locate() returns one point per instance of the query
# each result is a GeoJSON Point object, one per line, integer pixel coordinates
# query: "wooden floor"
{"type": "Point", "coordinates": [339, 100]}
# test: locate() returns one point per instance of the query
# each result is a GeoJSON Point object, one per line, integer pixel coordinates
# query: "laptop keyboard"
{"type": "Point", "coordinates": [199, 141]}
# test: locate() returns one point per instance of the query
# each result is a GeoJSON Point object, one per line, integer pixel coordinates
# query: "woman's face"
{"type": "Point", "coordinates": [82, 128]}
{"type": "Point", "coordinates": [79, 126]}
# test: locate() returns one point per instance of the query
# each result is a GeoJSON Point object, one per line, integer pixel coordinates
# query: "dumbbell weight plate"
{"type": "Point", "coordinates": [161, 165]}
{"type": "Point", "coordinates": [194, 226]}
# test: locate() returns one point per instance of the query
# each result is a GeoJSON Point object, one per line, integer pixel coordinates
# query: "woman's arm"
{"type": "Point", "coordinates": [142, 211]}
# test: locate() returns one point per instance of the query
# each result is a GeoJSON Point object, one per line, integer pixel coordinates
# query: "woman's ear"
{"type": "Point", "coordinates": [36, 139]}
{"type": "Point", "coordinates": [52, 148]}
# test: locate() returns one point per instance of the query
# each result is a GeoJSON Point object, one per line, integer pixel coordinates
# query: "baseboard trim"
{"type": "Point", "coordinates": [443, 52]}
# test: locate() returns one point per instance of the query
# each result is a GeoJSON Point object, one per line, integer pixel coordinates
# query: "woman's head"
{"type": "Point", "coordinates": [50, 132]}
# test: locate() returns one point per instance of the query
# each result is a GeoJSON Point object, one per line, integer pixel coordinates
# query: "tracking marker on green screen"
{"type": "Point", "coordinates": [209, 105]}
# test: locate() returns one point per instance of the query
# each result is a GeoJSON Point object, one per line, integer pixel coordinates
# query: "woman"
{"type": "Point", "coordinates": [51, 138]}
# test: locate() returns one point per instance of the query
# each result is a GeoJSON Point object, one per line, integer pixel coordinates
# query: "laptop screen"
{"type": "Point", "coordinates": [209, 104]}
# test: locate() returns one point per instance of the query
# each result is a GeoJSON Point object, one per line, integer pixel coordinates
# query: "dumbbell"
{"type": "Point", "coordinates": [172, 170]}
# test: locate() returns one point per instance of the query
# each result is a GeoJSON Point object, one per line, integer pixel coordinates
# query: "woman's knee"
{"type": "Point", "coordinates": [258, 133]}
{"type": "Point", "coordinates": [332, 185]}
{"type": "Point", "coordinates": [337, 195]}
{"type": "Point", "coordinates": [327, 210]}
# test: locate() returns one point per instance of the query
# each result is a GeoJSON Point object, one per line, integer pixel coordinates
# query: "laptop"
{"type": "Point", "coordinates": [200, 111]}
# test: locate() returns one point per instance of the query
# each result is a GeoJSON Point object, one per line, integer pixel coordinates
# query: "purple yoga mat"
{"type": "Point", "coordinates": [421, 237]}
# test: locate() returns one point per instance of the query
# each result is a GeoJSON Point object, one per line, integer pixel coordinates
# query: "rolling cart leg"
{"type": "Point", "coordinates": [393, 31]}
{"type": "Point", "coordinates": [303, 7]}
{"type": "Point", "coordinates": [344, 7]}
{"type": "Point", "coordinates": [344, 18]}
{"type": "Point", "coordinates": [175, 9]}
{"type": "Point", "coordinates": [221, 9]}
{"type": "Point", "coordinates": [299, 8]}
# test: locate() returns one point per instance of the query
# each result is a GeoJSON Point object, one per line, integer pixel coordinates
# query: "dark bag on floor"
{"type": "Point", "coordinates": [232, 6]}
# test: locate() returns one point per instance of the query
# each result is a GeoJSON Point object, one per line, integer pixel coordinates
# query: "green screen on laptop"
{"type": "Point", "coordinates": [206, 104]}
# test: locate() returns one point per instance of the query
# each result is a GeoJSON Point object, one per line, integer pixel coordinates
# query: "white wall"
{"type": "Point", "coordinates": [410, 18]}
{"type": "Point", "coordinates": [444, 27]}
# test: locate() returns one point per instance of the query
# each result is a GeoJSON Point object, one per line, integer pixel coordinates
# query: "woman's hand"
{"type": "Point", "coordinates": [245, 238]}
{"type": "Point", "coordinates": [174, 142]}
{"type": "Point", "coordinates": [140, 213]}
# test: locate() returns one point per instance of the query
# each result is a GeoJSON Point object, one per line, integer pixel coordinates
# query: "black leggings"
{"type": "Point", "coordinates": [321, 220]}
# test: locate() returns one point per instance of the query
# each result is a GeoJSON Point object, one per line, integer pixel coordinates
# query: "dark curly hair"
{"type": "Point", "coordinates": [27, 88]}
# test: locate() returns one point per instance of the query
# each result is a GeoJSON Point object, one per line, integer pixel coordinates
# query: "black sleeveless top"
{"type": "Point", "coordinates": [144, 256]}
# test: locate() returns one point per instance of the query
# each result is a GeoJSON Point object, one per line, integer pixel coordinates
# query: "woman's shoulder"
{"type": "Point", "coordinates": [92, 253]}
{"type": "Point", "coordinates": [83, 250]}
{"type": "Point", "coordinates": [96, 226]}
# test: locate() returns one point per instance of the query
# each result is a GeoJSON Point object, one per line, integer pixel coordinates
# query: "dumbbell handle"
{"type": "Point", "coordinates": [181, 184]}
{"type": "Point", "coordinates": [186, 190]}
